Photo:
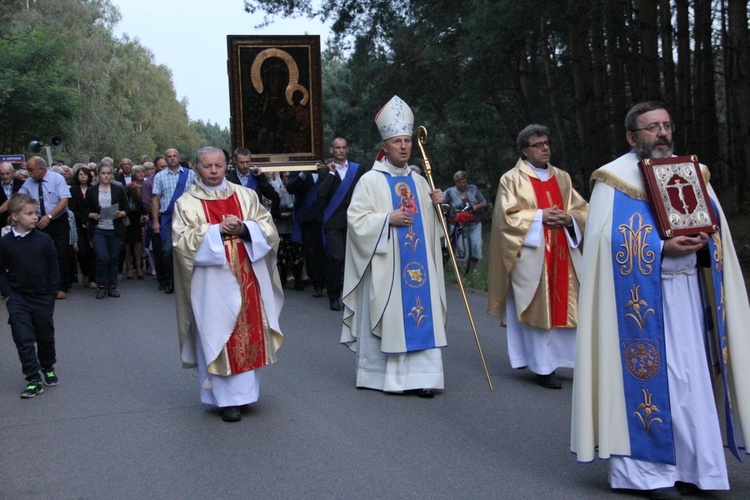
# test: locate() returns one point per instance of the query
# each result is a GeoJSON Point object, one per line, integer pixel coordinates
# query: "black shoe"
{"type": "Point", "coordinates": [421, 393]}
{"type": "Point", "coordinates": [231, 414]}
{"type": "Point", "coordinates": [33, 388]}
{"type": "Point", "coordinates": [661, 493]}
{"type": "Point", "coordinates": [317, 292]}
{"type": "Point", "coordinates": [169, 287]}
{"type": "Point", "coordinates": [335, 304]}
{"type": "Point", "coordinates": [686, 488]}
{"type": "Point", "coordinates": [549, 381]}
{"type": "Point", "coordinates": [101, 293]}
{"type": "Point", "coordinates": [50, 378]}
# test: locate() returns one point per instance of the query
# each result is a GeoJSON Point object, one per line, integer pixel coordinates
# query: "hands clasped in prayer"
{"type": "Point", "coordinates": [554, 217]}
{"type": "Point", "coordinates": [232, 226]}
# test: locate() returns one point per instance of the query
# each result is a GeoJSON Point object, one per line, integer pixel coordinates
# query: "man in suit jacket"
{"type": "Point", "coordinates": [252, 178]}
{"type": "Point", "coordinates": [125, 175]}
{"type": "Point", "coordinates": [308, 223]}
{"type": "Point", "coordinates": [10, 186]}
{"type": "Point", "coordinates": [336, 189]}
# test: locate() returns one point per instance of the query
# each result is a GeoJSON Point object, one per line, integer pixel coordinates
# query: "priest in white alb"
{"type": "Point", "coordinates": [662, 382]}
{"type": "Point", "coordinates": [394, 293]}
{"type": "Point", "coordinates": [535, 259]}
{"type": "Point", "coordinates": [227, 288]}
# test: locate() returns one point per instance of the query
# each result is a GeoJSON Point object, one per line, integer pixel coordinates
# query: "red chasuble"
{"type": "Point", "coordinates": [246, 347]}
{"type": "Point", "coordinates": [556, 254]}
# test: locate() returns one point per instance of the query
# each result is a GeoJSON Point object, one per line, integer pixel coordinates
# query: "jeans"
{"type": "Point", "coordinates": [30, 319]}
{"type": "Point", "coordinates": [107, 246]}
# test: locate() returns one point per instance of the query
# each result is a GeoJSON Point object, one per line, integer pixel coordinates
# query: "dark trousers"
{"type": "Point", "coordinates": [86, 256]}
{"type": "Point", "coordinates": [156, 251]}
{"type": "Point", "coordinates": [30, 320]}
{"type": "Point", "coordinates": [59, 230]}
{"type": "Point", "coordinates": [166, 252]}
{"type": "Point", "coordinates": [315, 254]}
{"type": "Point", "coordinates": [336, 254]}
{"type": "Point", "coordinates": [107, 245]}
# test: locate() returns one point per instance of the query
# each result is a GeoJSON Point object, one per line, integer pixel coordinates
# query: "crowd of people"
{"type": "Point", "coordinates": [649, 323]}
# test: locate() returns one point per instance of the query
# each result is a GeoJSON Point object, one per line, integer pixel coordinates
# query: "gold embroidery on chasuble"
{"type": "Point", "coordinates": [635, 251]}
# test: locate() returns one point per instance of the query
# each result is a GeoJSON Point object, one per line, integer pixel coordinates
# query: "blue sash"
{"type": "Point", "coordinates": [166, 217]}
{"type": "Point", "coordinates": [636, 248]}
{"type": "Point", "coordinates": [338, 196]}
{"type": "Point", "coordinates": [716, 324]}
{"type": "Point", "coordinates": [251, 182]}
{"type": "Point", "coordinates": [299, 214]}
{"type": "Point", "coordinates": [415, 277]}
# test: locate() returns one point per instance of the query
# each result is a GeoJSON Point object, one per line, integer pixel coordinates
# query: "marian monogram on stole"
{"type": "Point", "coordinates": [637, 278]}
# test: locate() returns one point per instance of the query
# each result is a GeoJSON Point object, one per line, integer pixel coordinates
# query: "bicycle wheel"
{"type": "Point", "coordinates": [461, 249]}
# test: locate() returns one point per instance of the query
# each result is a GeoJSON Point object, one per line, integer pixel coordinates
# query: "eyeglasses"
{"type": "Point", "coordinates": [538, 145]}
{"type": "Point", "coordinates": [656, 127]}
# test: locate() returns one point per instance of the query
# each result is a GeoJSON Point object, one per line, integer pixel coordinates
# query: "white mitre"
{"type": "Point", "coordinates": [394, 119]}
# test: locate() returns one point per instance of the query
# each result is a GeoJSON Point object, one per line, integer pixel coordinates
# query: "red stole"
{"type": "Point", "coordinates": [246, 348]}
{"type": "Point", "coordinates": [556, 254]}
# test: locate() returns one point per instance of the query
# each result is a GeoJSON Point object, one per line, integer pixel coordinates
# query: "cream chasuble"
{"type": "Point", "coordinates": [209, 294]}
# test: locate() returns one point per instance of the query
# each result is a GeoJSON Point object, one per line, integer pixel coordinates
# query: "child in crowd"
{"type": "Point", "coordinates": [29, 278]}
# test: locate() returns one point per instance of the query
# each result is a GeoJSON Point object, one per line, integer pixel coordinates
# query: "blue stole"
{"type": "Point", "coordinates": [717, 327]}
{"type": "Point", "coordinates": [338, 196]}
{"type": "Point", "coordinates": [636, 248]}
{"type": "Point", "coordinates": [166, 217]}
{"type": "Point", "coordinates": [299, 214]}
{"type": "Point", "coordinates": [416, 300]}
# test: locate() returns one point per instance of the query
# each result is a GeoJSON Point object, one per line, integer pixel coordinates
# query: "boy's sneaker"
{"type": "Point", "coordinates": [50, 378]}
{"type": "Point", "coordinates": [32, 389]}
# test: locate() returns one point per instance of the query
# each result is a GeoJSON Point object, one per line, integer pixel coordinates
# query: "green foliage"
{"type": "Point", "coordinates": [36, 95]}
{"type": "Point", "coordinates": [476, 72]}
{"type": "Point", "coordinates": [65, 73]}
{"type": "Point", "coordinates": [212, 135]}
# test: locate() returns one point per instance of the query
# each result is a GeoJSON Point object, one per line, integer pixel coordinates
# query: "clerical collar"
{"type": "Point", "coordinates": [541, 173]}
{"type": "Point", "coordinates": [394, 170]}
{"type": "Point", "coordinates": [527, 162]}
{"type": "Point", "coordinates": [221, 186]}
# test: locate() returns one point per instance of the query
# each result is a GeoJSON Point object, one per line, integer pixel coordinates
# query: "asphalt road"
{"type": "Point", "coordinates": [126, 421]}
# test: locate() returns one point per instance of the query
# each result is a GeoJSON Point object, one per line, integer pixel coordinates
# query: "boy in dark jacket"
{"type": "Point", "coordinates": [29, 278]}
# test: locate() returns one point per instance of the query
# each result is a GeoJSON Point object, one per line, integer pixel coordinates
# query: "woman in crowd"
{"type": "Point", "coordinates": [106, 231]}
{"type": "Point", "coordinates": [80, 184]}
{"type": "Point", "coordinates": [134, 232]}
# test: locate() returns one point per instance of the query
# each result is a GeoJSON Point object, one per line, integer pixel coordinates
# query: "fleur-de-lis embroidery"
{"type": "Point", "coordinates": [647, 418]}
{"type": "Point", "coordinates": [635, 248]}
{"type": "Point", "coordinates": [417, 312]}
{"type": "Point", "coordinates": [638, 315]}
{"type": "Point", "coordinates": [412, 240]}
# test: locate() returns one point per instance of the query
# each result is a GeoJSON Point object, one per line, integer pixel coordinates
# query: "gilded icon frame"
{"type": "Point", "coordinates": [275, 92]}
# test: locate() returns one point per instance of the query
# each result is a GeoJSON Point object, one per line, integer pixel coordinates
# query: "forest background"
{"type": "Point", "coordinates": [475, 72]}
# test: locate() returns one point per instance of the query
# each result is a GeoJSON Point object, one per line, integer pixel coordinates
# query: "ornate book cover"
{"type": "Point", "coordinates": [677, 193]}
